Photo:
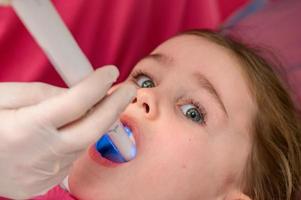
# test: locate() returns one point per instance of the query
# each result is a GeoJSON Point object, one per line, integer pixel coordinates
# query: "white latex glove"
{"type": "Point", "coordinates": [43, 129]}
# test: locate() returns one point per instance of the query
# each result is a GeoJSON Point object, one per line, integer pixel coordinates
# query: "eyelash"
{"type": "Point", "coordinates": [137, 73]}
{"type": "Point", "coordinates": [198, 106]}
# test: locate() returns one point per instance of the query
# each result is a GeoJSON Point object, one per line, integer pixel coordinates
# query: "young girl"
{"type": "Point", "coordinates": [211, 121]}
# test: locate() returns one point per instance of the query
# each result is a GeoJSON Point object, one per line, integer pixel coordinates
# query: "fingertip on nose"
{"type": "Point", "coordinates": [129, 91]}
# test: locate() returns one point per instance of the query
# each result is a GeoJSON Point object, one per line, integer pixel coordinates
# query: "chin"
{"type": "Point", "coordinates": [86, 182]}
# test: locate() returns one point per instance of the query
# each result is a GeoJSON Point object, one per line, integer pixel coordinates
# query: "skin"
{"type": "Point", "coordinates": [179, 158]}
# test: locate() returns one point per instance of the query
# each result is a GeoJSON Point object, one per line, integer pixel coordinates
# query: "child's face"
{"type": "Point", "coordinates": [184, 152]}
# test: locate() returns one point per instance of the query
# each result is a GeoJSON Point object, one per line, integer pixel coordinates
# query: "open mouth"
{"type": "Point", "coordinates": [107, 153]}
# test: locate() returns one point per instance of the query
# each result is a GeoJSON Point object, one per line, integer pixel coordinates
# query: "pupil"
{"type": "Point", "coordinates": [147, 84]}
{"type": "Point", "coordinates": [193, 114]}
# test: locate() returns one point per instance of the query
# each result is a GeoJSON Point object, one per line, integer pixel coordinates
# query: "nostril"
{"type": "Point", "coordinates": [134, 100]}
{"type": "Point", "coordinates": [146, 106]}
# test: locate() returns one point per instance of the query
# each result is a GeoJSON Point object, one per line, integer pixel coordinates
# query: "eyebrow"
{"type": "Point", "coordinates": [207, 85]}
{"type": "Point", "coordinates": [161, 58]}
{"type": "Point", "coordinates": [202, 80]}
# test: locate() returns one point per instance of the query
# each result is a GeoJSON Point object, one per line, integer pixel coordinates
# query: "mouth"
{"type": "Point", "coordinates": [106, 154]}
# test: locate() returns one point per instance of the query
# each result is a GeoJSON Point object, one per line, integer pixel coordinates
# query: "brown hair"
{"type": "Point", "coordinates": [273, 170]}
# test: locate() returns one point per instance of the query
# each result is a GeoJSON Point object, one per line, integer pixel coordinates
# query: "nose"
{"type": "Point", "coordinates": [146, 100]}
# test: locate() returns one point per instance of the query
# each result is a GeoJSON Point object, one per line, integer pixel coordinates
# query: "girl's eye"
{"type": "Point", "coordinates": [193, 113]}
{"type": "Point", "coordinates": [144, 81]}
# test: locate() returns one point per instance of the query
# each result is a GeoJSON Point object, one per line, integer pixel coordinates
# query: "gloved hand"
{"type": "Point", "coordinates": [44, 128]}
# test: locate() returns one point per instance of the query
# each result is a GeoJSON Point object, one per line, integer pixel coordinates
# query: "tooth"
{"type": "Point", "coordinates": [122, 141]}
{"type": "Point", "coordinates": [130, 133]}
{"type": "Point", "coordinates": [114, 145]}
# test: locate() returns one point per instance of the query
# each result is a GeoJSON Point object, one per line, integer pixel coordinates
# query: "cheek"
{"type": "Point", "coordinates": [180, 161]}
{"type": "Point", "coordinates": [77, 178]}
{"type": "Point", "coordinates": [180, 153]}
{"type": "Point", "coordinates": [181, 139]}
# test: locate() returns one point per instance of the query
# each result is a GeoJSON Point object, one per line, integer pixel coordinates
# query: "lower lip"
{"type": "Point", "coordinates": [96, 156]}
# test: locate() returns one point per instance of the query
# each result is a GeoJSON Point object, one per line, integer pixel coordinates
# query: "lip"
{"type": "Point", "coordinates": [96, 156]}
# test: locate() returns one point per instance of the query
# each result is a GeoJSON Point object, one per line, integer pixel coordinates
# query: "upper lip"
{"type": "Point", "coordinates": [132, 124]}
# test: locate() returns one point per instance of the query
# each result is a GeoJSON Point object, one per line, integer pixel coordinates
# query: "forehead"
{"type": "Point", "coordinates": [196, 50]}
{"type": "Point", "coordinates": [190, 54]}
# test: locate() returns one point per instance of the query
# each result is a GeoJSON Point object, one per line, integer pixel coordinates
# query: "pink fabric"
{"type": "Point", "coordinates": [55, 194]}
{"type": "Point", "coordinates": [109, 32]}
{"type": "Point", "coordinates": [277, 28]}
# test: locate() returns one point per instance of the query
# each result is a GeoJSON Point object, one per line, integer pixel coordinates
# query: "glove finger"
{"type": "Point", "coordinates": [78, 100]}
{"type": "Point", "coordinates": [16, 95]}
{"type": "Point", "coordinates": [79, 135]}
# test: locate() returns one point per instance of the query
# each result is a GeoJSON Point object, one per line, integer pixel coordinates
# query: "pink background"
{"type": "Point", "coordinates": [109, 32]}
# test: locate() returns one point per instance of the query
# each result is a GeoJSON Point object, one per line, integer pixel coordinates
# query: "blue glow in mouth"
{"type": "Point", "coordinates": [109, 150]}
{"type": "Point", "coordinates": [128, 130]}
{"type": "Point", "coordinates": [130, 133]}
